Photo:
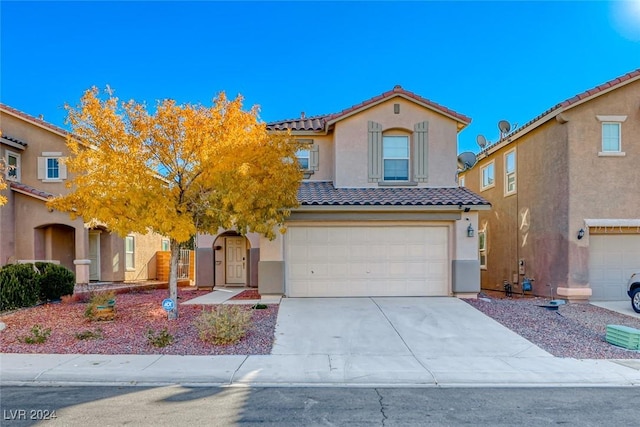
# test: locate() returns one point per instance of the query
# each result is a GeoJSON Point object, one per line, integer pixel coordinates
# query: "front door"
{"type": "Point", "coordinates": [236, 260]}
{"type": "Point", "coordinates": [94, 255]}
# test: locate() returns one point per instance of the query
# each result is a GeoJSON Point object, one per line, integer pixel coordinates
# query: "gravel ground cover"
{"type": "Point", "coordinates": [575, 330]}
{"type": "Point", "coordinates": [248, 294]}
{"type": "Point", "coordinates": [136, 313]}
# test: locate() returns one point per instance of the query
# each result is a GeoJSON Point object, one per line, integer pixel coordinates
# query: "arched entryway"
{"type": "Point", "coordinates": [231, 259]}
{"type": "Point", "coordinates": [55, 242]}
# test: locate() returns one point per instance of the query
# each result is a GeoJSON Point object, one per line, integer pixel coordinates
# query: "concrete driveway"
{"type": "Point", "coordinates": [393, 341]}
{"type": "Point", "coordinates": [421, 327]}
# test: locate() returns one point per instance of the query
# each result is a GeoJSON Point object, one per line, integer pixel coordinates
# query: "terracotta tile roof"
{"type": "Point", "coordinates": [324, 193]}
{"type": "Point", "coordinates": [315, 123]}
{"type": "Point", "coordinates": [33, 119]}
{"type": "Point", "coordinates": [318, 123]}
{"type": "Point", "coordinates": [17, 141]}
{"type": "Point", "coordinates": [30, 191]}
{"type": "Point", "coordinates": [568, 103]}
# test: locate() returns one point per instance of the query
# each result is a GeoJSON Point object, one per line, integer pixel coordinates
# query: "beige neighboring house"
{"type": "Point", "coordinates": [380, 211]}
{"type": "Point", "coordinates": [565, 196]}
{"type": "Point", "coordinates": [34, 151]}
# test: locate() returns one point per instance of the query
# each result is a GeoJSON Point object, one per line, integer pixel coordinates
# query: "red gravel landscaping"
{"type": "Point", "coordinates": [136, 314]}
{"type": "Point", "coordinates": [248, 294]}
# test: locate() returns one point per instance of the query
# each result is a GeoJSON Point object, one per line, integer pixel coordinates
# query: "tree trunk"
{"type": "Point", "coordinates": [173, 279]}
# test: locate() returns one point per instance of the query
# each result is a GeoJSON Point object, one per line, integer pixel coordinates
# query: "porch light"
{"type": "Point", "coordinates": [580, 233]}
{"type": "Point", "coordinates": [470, 231]}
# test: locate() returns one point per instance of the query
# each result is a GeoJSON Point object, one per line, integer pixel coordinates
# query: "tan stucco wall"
{"type": "Point", "coordinates": [326, 160]}
{"type": "Point", "coordinates": [561, 182]}
{"type": "Point", "coordinates": [351, 143]}
{"type": "Point", "coordinates": [146, 246]}
{"type": "Point", "coordinates": [601, 187]}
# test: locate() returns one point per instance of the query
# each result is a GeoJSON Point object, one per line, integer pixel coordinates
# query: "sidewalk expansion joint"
{"type": "Point", "coordinates": [233, 376]}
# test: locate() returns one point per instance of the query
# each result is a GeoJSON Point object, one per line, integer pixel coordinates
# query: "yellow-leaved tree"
{"type": "Point", "coordinates": [177, 171]}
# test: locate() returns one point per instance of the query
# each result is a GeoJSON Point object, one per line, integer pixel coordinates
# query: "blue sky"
{"type": "Point", "coordinates": [487, 60]}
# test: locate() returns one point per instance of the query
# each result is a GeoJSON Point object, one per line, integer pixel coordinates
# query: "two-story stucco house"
{"type": "Point", "coordinates": [565, 196]}
{"type": "Point", "coordinates": [34, 151]}
{"type": "Point", "coordinates": [380, 211]}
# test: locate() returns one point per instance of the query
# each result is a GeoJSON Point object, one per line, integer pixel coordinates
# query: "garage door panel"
{"type": "Point", "coordinates": [612, 259]}
{"type": "Point", "coordinates": [367, 261]}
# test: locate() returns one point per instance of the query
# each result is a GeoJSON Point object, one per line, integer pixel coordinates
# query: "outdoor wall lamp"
{"type": "Point", "coordinates": [470, 231]}
{"type": "Point", "coordinates": [580, 233]}
{"type": "Point", "coordinates": [217, 248]}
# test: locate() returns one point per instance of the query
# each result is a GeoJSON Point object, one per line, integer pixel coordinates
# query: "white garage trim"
{"type": "Point", "coordinates": [365, 259]}
{"type": "Point", "coordinates": [612, 260]}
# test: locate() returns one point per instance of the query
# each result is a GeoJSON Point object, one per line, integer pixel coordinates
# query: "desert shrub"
{"type": "Point", "coordinates": [90, 335]}
{"type": "Point", "coordinates": [224, 324]}
{"type": "Point", "coordinates": [55, 281]}
{"type": "Point", "coordinates": [19, 286]}
{"type": "Point", "coordinates": [98, 299]}
{"type": "Point", "coordinates": [159, 339]}
{"type": "Point", "coordinates": [38, 335]}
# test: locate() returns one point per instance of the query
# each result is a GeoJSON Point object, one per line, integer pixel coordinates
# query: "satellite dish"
{"type": "Point", "coordinates": [466, 160]}
{"type": "Point", "coordinates": [504, 126]}
{"type": "Point", "coordinates": [482, 141]}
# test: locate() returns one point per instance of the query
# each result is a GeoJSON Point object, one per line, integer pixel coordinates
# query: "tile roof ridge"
{"type": "Point", "coordinates": [593, 91]}
{"type": "Point", "coordinates": [37, 120]}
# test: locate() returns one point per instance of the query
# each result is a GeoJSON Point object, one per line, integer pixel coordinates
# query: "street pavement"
{"type": "Point", "coordinates": [364, 342]}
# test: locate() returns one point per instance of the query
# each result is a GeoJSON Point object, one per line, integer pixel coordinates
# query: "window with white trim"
{"type": "Point", "coordinates": [461, 181]}
{"type": "Point", "coordinates": [166, 245]}
{"type": "Point", "coordinates": [304, 156]}
{"type": "Point", "coordinates": [510, 172]}
{"type": "Point", "coordinates": [395, 157]}
{"type": "Point", "coordinates": [129, 253]}
{"type": "Point", "coordinates": [51, 167]}
{"type": "Point", "coordinates": [12, 166]}
{"type": "Point", "coordinates": [482, 248]}
{"type": "Point", "coordinates": [611, 135]}
{"type": "Point", "coordinates": [487, 176]}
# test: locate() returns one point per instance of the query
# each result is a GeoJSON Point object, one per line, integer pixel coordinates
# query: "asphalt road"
{"type": "Point", "coordinates": [215, 406]}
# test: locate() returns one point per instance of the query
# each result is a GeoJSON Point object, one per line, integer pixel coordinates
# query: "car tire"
{"type": "Point", "coordinates": [635, 300]}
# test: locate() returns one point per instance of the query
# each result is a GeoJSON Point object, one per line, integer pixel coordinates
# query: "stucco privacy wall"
{"type": "Point", "coordinates": [351, 144]}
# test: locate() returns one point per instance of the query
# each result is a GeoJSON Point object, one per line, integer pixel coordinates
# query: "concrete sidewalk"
{"type": "Point", "coordinates": [315, 370]}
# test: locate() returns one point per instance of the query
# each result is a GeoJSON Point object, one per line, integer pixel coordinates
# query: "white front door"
{"type": "Point", "coordinates": [358, 261]}
{"type": "Point", "coordinates": [236, 260]}
{"type": "Point", "coordinates": [94, 255]}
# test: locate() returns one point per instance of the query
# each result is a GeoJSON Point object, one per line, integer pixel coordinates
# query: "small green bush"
{"type": "Point", "coordinates": [90, 335]}
{"type": "Point", "coordinates": [159, 339]}
{"type": "Point", "coordinates": [19, 286]}
{"type": "Point", "coordinates": [224, 324]}
{"type": "Point", "coordinates": [38, 335]}
{"type": "Point", "coordinates": [55, 281]}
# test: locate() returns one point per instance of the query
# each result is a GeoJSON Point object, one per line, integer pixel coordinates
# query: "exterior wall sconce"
{"type": "Point", "coordinates": [217, 248]}
{"type": "Point", "coordinates": [581, 233]}
{"type": "Point", "coordinates": [470, 231]}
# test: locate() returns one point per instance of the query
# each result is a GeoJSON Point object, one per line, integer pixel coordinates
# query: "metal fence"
{"type": "Point", "coordinates": [183, 264]}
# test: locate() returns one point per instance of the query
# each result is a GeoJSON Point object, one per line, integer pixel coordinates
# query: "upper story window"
{"type": "Point", "coordinates": [303, 158]}
{"type": "Point", "coordinates": [51, 168]}
{"type": "Point", "coordinates": [611, 135]}
{"type": "Point", "coordinates": [510, 172]}
{"type": "Point", "coordinates": [13, 166]}
{"type": "Point", "coordinates": [129, 252]}
{"type": "Point", "coordinates": [395, 158]}
{"type": "Point", "coordinates": [487, 176]}
{"type": "Point", "coordinates": [461, 181]}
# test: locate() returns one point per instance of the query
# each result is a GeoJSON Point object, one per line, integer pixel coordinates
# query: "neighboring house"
{"type": "Point", "coordinates": [565, 196]}
{"type": "Point", "coordinates": [34, 151]}
{"type": "Point", "coordinates": [380, 211]}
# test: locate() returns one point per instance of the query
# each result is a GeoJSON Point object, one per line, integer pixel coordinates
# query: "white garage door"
{"type": "Point", "coordinates": [612, 259]}
{"type": "Point", "coordinates": [366, 261]}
